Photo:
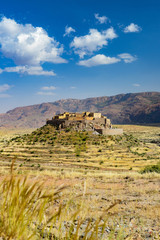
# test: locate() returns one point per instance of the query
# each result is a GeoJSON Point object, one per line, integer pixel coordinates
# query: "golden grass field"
{"type": "Point", "coordinates": [101, 170]}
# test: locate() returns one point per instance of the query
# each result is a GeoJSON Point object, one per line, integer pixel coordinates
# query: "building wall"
{"type": "Point", "coordinates": [97, 121]}
{"type": "Point", "coordinates": [97, 115]}
{"type": "Point", "coordinates": [81, 123]}
{"type": "Point", "coordinates": [55, 122]}
{"type": "Point", "coordinates": [116, 131]}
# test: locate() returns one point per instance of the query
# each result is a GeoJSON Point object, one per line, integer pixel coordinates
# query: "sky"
{"type": "Point", "coordinates": [58, 49]}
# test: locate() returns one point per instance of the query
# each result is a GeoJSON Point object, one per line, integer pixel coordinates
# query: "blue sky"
{"type": "Point", "coordinates": [59, 49]}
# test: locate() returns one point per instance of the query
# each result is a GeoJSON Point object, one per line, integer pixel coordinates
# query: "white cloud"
{"type": "Point", "coordinates": [46, 93]}
{"type": "Point", "coordinates": [28, 45]}
{"type": "Point", "coordinates": [5, 87]}
{"type": "Point", "coordinates": [4, 95]}
{"type": "Point", "coordinates": [72, 87]}
{"type": "Point", "coordinates": [102, 19]}
{"type": "Point", "coordinates": [132, 28]}
{"type": "Point", "coordinates": [136, 85]}
{"type": "Point", "coordinates": [30, 70]}
{"type": "Point", "coordinates": [127, 58]}
{"type": "Point", "coordinates": [99, 59]}
{"type": "Point", "coordinates": [68, 30]}
{"type": "Point", "coordinates": [94, 41]}
{"type": "Point", "coordinates": [48, 88]}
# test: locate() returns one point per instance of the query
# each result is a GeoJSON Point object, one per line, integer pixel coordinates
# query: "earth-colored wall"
{"type": "Point", "coordinates": [101, 125]}
{"type": "Point", "coordinates": [116, 131]}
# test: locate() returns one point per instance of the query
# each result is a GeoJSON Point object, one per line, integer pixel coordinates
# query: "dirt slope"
{"type": "Point", "coordinates": [128, 108]}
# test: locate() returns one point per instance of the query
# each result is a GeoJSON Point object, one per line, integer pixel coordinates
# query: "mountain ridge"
{"type": "Point", "coordinates": [130, 108]}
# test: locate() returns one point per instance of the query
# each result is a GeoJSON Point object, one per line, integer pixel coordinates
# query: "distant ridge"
{"type": "Point", "coordinates": [130, 108]}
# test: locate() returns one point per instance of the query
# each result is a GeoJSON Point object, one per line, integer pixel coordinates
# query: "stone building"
{"type": "Point", "coordinates": [89, 121]}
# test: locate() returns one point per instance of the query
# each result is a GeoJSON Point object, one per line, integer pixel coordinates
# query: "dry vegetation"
{"type": "Point", "coordinates": [106, 190]}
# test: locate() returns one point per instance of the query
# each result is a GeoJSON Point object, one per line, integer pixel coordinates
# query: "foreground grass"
{"type": "Point", "coordinates": [29, 210]}
{"type": "Point", "coordinates": [23, 208]}
{"type": "Point", "coordinates": [111, 207]}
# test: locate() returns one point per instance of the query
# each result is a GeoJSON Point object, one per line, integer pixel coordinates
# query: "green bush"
{"type": "Point", "coordinates": [151, 168]}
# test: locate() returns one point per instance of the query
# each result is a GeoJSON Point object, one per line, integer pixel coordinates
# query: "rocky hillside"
{"type": "Point", "coordinates": [128, 108]}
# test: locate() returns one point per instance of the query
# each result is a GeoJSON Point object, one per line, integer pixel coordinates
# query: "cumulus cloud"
{"type": "Point", "coordinates": [30, 70]}
{"type": "Point", "coordinates": [68, 30]}
{"type": "Point", "coordinates": [102, 19]}
{"type": "Point", "coordinates": [99, 59]}
{"type": "Point", "coordinates": [132, 28]}
{"type": "Point", "coordinates": [28, 45]}
{"type": "Point", "coordinates": [48, 88]}
{"type": "Point", "coordinates": [46, 93]}
{"type": "Point", "coordinates": [127, 58]}
{"type": "Point", "coordinates": [94, 41]}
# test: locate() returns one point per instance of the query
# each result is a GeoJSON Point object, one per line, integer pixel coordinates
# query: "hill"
{"type": "Point", "coordinates": [131, 108]}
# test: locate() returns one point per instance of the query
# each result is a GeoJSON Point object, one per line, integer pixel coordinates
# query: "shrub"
{"type": "Point", "coordinates": [78, 152]}
{"type": "Point", "coordinates": [67, 130]}
{"type": "Point", "coordinates": [151, 168]}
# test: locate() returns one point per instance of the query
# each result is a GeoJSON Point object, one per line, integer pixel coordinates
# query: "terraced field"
{"type": "Point", "coordinates": [47, 149]}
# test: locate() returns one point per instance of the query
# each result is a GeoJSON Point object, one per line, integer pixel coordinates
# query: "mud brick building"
{"type": "Point", "coordinates": [89, 121]}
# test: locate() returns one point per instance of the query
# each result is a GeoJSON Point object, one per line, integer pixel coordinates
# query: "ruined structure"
{"type": "Point", "coordinates": [84, 121]}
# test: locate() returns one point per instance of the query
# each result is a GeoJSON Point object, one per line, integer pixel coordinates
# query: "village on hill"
{"type": "Point", "coordinates": [85, 121]}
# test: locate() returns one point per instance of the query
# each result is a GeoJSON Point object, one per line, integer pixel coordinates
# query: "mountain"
{"type": "Point", "coordinates": [128, 108]}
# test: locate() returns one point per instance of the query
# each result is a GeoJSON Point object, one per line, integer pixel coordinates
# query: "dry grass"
{"type": "Point", "coordinates": [104, 170]}
{"type": "Point", "coordinates": [30, 209]}
{"type": "Point", "coordinates": [87, 200]}
{"type": "Point", "coordinates": [66, 151]}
